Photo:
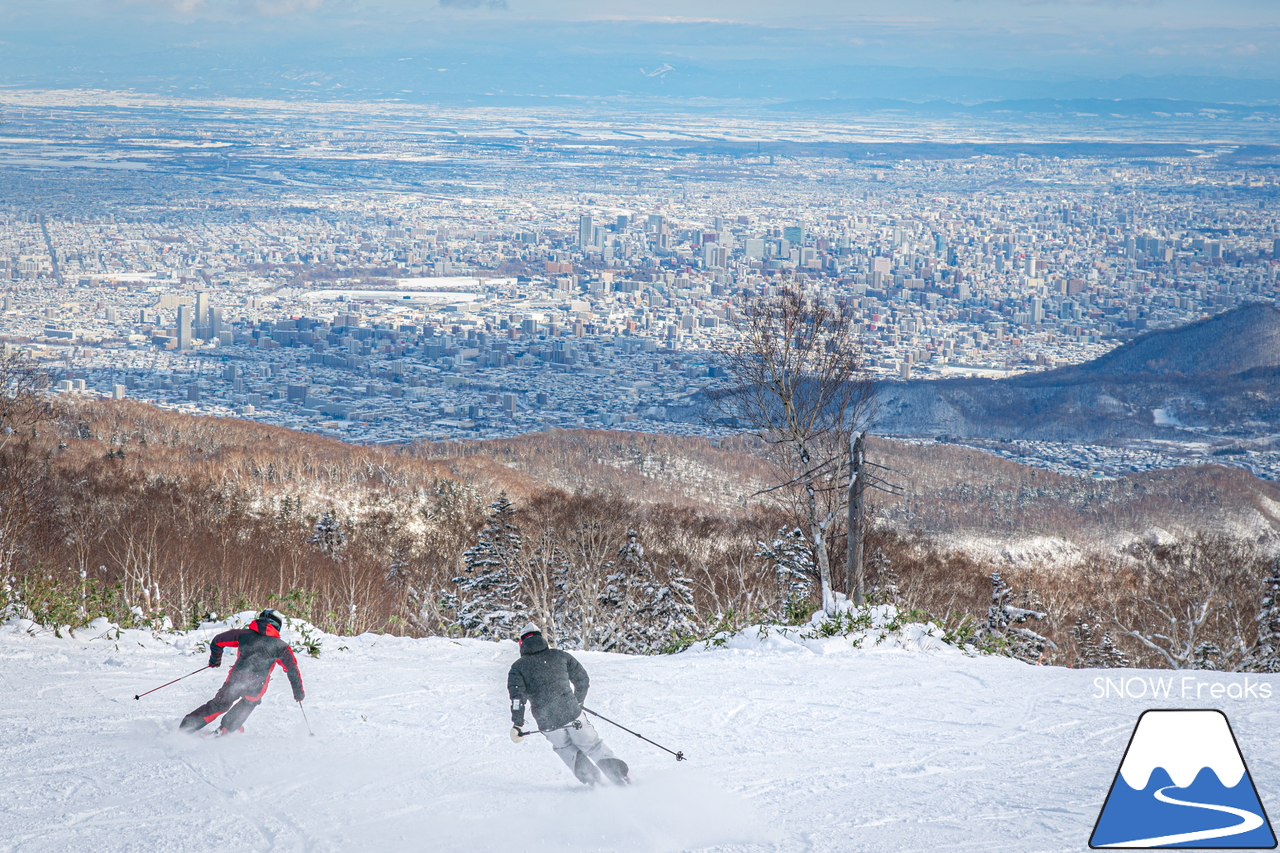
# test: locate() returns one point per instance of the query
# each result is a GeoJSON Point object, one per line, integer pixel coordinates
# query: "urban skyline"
{"type": "Point", "coordinates": [384, 286]}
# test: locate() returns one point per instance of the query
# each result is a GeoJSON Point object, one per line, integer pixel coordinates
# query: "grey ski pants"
{"type": "Point", "coordinates": [568, 742]}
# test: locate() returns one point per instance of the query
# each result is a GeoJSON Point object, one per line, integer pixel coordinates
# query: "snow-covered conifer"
{"type": "Point", "coordinates": [327, 535]}
{"type": "Point", "coordinates": [794, 569]}
{"type": "Point", "coordinates": [1093, 651]}
{"type": "Point", "coordinates": [613, 615]}
{"type": "Point", "coordinates": [1004, 621]}
{"type": "Point", "coordinates": [398, 566]}
{"type": "Point", "coordinates": [566, 612]}
{"type": "Point", "coordinates": [489, 601]}
{"type": "Point", "coordinates": [637, 610]}
{"type": "Point", "coordinates": [884, 580]}
{"type": "Point", "coordinates": [671, 610]}
{"type": "Point", "coordinates": [627, 598]}
{"type": "Point", "coordinates": [1109, 654]}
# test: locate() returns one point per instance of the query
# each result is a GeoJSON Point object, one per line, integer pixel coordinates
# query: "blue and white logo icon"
{"type": "Point", "coordinates": [1183, 783]}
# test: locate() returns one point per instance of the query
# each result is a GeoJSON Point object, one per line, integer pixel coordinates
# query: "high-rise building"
{"type": "Point", "coordinates": [184, 327]}
{"type": "Point", "coordinates": [202, 308]}
{"type": "Point", "coordinates": [561, 352]}
{"type": "Point", "coordinates": [586, 228]}
{"type": "Point", "coordinates": [215, 322]}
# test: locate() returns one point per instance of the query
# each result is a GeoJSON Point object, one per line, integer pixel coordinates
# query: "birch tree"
{"type": "Point", "coordinates": [800, 385]}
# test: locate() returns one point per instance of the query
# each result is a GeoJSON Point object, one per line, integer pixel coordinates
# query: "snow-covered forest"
{"type": "Point", "coordinates": [614, 541]}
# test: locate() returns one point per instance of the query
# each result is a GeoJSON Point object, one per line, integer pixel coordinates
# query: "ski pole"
{"type": "Point", "coordinates": [167, 683]}
{"type": "Point", "coordinates": [304, 718]}
{"type": "Point", "coordinates": [679, 755]}
{"type": "Point", "coordinates": [576, 724]}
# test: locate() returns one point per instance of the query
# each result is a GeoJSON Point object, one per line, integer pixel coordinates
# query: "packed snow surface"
{"type": "Point", "coordinates": [792, 746]}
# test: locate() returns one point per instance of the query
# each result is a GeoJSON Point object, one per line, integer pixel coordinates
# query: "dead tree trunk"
{"type": "Point", "coordinates": [855, 577]}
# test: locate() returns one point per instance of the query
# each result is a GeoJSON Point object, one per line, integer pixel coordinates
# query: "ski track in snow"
{"type": "Point", "coordinates": [790, 750]}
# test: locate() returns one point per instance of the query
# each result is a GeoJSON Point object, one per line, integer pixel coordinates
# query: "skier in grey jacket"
{"type": "Point", "coordinates": [554, 686]}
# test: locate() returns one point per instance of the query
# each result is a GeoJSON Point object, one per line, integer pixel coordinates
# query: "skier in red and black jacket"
{"type": "Point", "coordinates": [260, 651]}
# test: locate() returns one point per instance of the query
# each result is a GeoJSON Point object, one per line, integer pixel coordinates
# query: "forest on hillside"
{"type": "Point", "coordinates": [612, 541]}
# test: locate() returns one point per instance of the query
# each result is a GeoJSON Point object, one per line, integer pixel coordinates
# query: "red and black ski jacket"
{"type": "Point", "coordinates": [259, 653]}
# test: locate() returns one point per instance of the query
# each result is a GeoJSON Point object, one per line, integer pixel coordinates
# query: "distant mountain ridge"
{"type": "Point", "coordinates": [1244, 339]}
{"type": "Point", "coordinates": [1220, 375]}
{"type": "Point", "coordinates": [1159, 107]}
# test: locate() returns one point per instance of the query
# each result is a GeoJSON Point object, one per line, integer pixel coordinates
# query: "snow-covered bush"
{"type": "Point", "coordinates": [868, 626]}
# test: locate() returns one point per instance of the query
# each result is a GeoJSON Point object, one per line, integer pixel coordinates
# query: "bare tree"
{"type": "Point", "coordinates": [1186, 604]}
{"type": "Point", "coordinates": [801, 386]}
{"type": "Point", "coordinates": [23, 405]}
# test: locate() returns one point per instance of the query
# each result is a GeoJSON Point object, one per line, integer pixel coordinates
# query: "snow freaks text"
{"type": "Point", "coordinates": [1184, 687]}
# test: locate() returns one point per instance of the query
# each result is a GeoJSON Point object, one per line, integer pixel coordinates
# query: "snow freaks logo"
{"type": "Point", "coordinates": [1183, 783]}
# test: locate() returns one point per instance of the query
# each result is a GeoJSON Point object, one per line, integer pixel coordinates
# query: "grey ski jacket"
{"type": "Point", "coordinates": [551, 681]}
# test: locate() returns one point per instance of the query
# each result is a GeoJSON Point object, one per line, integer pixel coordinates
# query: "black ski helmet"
{"type": "Point", "coordinates": [269, 617]}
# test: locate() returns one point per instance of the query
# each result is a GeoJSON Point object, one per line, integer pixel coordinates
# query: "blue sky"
{"type": "Point", "coordinates": [519, 40]}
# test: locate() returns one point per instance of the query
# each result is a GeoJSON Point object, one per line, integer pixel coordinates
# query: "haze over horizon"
{"type": "Point", "coordinates": [957, 50]}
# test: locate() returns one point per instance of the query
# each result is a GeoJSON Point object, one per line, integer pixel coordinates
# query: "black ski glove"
{"type": "Point", "coordinates": [517, 713]}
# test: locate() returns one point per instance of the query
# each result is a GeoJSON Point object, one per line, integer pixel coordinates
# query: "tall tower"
{"type": "Point", "coordinates": [202, 308]}
{"type": "Point", "coordinates": [184, 327]}
{"type": "Point", "coordinates": [585, 229]}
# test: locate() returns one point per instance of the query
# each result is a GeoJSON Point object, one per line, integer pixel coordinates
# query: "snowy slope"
{"type": "Point", "coordinates": [817, 747]}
